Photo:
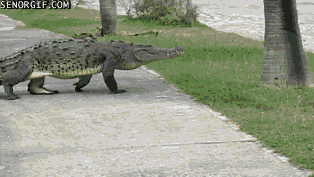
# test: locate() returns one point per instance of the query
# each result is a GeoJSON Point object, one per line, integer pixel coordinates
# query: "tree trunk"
{"type": "Point", "coordinates": [172, 3]}
{"type": "Point", "coordinates": [284, 61]}
{"type": "Point", "coordinates": [108, 16]}
{"type": "Point", "coordinates": [180, 3]}
{"type": "Point", "coordinates": [189, 11]}
{"type": "Point", "coordinates": [159, 1]}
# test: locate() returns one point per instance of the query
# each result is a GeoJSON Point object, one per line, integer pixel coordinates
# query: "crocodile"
{"type": "Point", "coordinates": [76, 58]}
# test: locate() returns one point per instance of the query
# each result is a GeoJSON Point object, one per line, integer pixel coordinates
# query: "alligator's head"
{"type": "Point", "coordinates": [144, 54]}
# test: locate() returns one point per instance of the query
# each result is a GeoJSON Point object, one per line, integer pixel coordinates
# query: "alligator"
{"type": "Point", "coordinates": [76, 58]}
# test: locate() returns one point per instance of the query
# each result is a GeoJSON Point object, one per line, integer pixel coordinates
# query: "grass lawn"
{"type": "Point", "coordinates": [218, 69]}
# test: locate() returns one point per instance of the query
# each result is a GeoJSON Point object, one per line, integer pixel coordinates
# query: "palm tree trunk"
{"type": "Point", "coordinates": [284, 61]}
{"type": "Point", "coordinates": [189, 11]}
{"type": "Point", "coordinates": [180, 3]}
{"type": "Point", "coordinates": [108, 15]}
{"type": "Point", "coordinates": [172, 3]}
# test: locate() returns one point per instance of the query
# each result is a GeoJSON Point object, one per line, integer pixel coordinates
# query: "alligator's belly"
{"type": "Point", "coordinates": [65, 74]}
{"type": "Point", "coordinates": [75, 74]}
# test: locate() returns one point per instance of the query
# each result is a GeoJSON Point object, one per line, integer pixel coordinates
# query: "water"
{"type": "Point", "coordinates": [244, 17]}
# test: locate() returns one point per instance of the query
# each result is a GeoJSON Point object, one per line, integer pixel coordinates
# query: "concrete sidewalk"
{"type": "Point", "coordinates": [151, 130]}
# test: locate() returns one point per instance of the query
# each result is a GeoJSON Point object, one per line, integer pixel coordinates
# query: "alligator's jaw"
{"type": "Point", "coordinates": [155, 53]}
{"type": "Point", "coordinates": [133, 64]}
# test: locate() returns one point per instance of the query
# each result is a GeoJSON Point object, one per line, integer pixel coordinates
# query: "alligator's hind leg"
{"type": "Point", "coordinates": [84, 80]}
{"type": "Point", "coordinates": [9, 90]}
{"type": "Point", "coordinates": [35, 87]}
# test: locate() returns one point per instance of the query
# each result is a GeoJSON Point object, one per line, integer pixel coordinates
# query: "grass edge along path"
{"type": "Point", "coordinates": [218, 69]}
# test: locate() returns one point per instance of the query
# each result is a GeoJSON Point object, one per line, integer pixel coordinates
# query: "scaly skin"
{"type": "Point", "coordinates": [68, 59]}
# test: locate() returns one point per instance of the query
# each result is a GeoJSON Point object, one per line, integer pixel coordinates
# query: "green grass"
{"type": "Point", "coordinates": [218, 69]}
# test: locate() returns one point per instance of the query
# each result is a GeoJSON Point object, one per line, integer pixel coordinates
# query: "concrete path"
{"type": "Point", "coordinates": [151, 130]}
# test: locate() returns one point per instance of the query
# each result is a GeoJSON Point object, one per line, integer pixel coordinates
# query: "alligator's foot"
{"type": "Point", "coordinates": [42, 91]}
{"type": "Point", "coordinates": [12, 97]}
{"type": "Point", "coordinates": [79, 90]}
{"type": "Point", "coordinates": [83, 81]}
{"type": "Point", "coordinates": [118, 91]}
{"type": "Point", "coordinates": [54, 91]}
{"type": "Point", "coordinates": [9, 90]}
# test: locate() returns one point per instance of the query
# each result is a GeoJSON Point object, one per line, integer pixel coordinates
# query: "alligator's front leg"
{"type": "Point", "coordinates": [108, 69]}
{"type": "Point", "coordinates": [84, 80]}
{"type": "Point", "coordinates": [35, 87]}
{"type": "Point", "coordinates": [112, 84]}
{"type": "Point", "coordinates": [9, 90]}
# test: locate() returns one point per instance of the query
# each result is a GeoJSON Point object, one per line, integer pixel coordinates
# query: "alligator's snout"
{"type": "Point", "coordinates": [178, 51]}
{"type": "Point", "coordinates": [154, 53]}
